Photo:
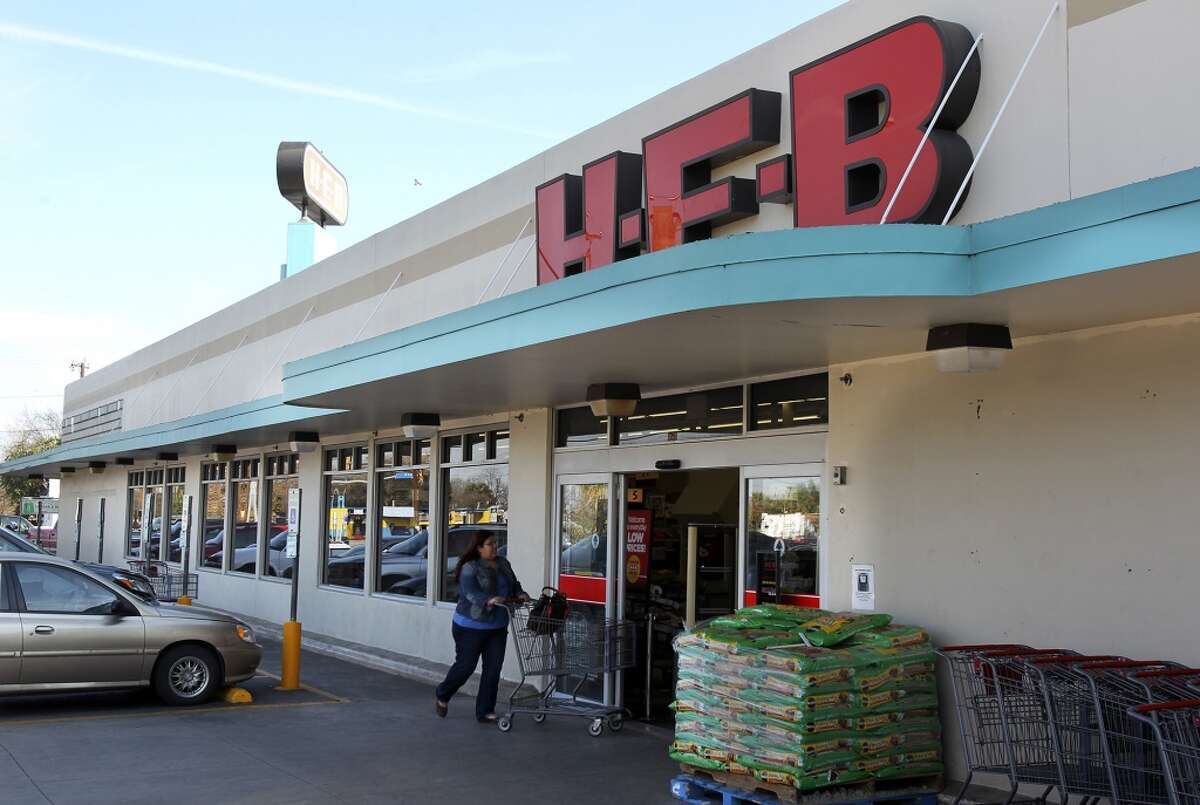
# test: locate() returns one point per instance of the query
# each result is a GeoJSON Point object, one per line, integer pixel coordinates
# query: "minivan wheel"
{"type": "Point", "coordinates": [186, 675]}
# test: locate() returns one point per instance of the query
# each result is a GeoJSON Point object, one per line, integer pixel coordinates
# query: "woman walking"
{"type": "Point", "coordinates": [485, 582]}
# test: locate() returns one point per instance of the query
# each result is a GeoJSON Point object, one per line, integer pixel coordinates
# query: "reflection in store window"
{"type": "Point", "coordinates": [476, 500]}
{"type": "Point", "coordinates": [584, 530]}
{"type": "Point", "coordinates": [783, 526]}
{"type": "Point", "coordinates": [403, 503]}
{"type": "Point", "coordinates": [345, 528]}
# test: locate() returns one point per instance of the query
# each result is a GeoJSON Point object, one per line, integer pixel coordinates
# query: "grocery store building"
{"type": "Point", "coordinates": [807, 429]}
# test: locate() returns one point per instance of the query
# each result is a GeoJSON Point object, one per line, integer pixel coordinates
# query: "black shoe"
{"type": "Point", "coordinates": [490, 718]}
{"type": "Point", "coordinates": [442, 707]}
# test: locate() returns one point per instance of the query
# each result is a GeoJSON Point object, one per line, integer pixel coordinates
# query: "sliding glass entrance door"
{"type": "Point", "coordinates": [583, 530]}
{"type": "Point", "coordinates": [781, 537]}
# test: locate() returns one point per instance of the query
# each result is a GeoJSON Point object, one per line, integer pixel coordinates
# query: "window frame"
{"type": "Point", "coordinates": [243, 469]}
{"type": "Point", "coordinates": [360, 453]}
{"type": "Point", "coordinates": [374, 534]}
{"type": "Point", "coordinates": [748, 432]}
{"type": "Point", "coordinates": [175, 476]}
{"type": "Point", "coordinates": [202, 511]}
{"type": "Point", "coordinates": [291, 470]}
{"type": "Point", "coordinates": [435, 588]}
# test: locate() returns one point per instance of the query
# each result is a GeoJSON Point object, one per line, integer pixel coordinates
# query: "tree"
{"type": "Point", "coordinates": [33, 432]}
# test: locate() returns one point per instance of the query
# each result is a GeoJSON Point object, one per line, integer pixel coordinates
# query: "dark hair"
{"type": "Point", "coordinates": [472, 551]}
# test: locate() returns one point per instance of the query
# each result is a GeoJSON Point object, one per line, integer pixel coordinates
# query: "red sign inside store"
{"type": "Point", "coordinates": [637, 546]}
{"type": "Point", "coordinates": [856, 118]}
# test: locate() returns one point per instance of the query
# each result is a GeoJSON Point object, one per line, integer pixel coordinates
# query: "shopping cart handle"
{"type": "Point", "coordinates": [1062, 659]}
{"type": "Point", "coordinates": [1168, 672]}
{"type": "Point", "coordinates": [984, 647]}
{"type": "Point", "coordinates": [1182, 704]}
{"type": "Point", "coordinates": [1125, 664]}
{"type": "Point", "coordinates": [1031, 652]}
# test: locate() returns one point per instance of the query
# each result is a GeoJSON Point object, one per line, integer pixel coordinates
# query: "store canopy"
{"type": "Point", "coordinates": [260, 422]}
{"type": "Point", "coordinates": [765, 303]}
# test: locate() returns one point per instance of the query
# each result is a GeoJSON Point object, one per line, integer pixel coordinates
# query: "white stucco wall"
{"type": "Point", "coordinates": [1051, 502]}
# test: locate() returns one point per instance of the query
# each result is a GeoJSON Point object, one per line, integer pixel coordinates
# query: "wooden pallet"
{"type": "Point", "coordinates": [705, 787]}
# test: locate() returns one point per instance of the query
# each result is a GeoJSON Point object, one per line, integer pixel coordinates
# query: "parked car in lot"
{"type": "Point", "coordinates": [65, 627]}
{"type": "Point", "coordinates": [244, 535]}
{"type": "Point", "coordinates": [245, 557]}
{"type": "Point", "coordinates": [129, 579]}
{"type": "Point", "coordinates": [16, 523]}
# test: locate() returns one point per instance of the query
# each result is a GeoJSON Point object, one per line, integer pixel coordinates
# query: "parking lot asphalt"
{"type": "Point", "coordinates": [354, 735]}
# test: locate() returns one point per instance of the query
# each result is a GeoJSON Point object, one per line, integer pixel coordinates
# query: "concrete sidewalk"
{"type": "Point", "coordinates": [359, 735]}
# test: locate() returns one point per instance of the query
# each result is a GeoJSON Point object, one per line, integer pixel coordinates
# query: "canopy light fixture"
{"type": "Point", "coordinates": [123, 461]}
{"type": "Point", "coordinates": [95, 467]}
{"type": "Point", "coordinates": [223, 452]}
{"type": "Point", "coordinates": [35, 476]}
{"type": "Point", "coordinates": [66, 470]}
{"type": "Point", "coordinates": [969, 347]}
{"type": "Point", "coordinates": [420, 426]}
{"type": "Point", "coordinates": [167, 456]}
{"type": "Point", "coordinates": [613, 399]}
{"type": "Point", "coordinates": [303, 441]}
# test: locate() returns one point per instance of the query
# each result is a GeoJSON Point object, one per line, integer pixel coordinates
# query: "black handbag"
{"type": "Point", "coordinates": [548, 612]}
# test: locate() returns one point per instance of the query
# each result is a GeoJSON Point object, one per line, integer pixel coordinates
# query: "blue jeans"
{"type": "Point", "coordinates": [469, 646]}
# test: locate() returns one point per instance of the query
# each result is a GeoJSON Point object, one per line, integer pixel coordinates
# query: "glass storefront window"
{"type": "Point", "coordinates": [213, 500]}
{"type": "Point", "coordinates": [243, 550]}
{"type": "Point", "coordinates": [402, 503]}
{"type": "Point", "coordinates": [783, 527]}
{"type": "Point", "coordinates": [345, 519]}
{"type": "Point", "coordinates": [684, 417]}
{"type": "Point", "coordinates": [133, 534]}
{"type": "Point", "coordinates": [175, 479]}
{"type": "Point", "coordinates": [281, 478]}
{"type": "Point", "coordinates": [476, 500]}
{"type": "Point", "coordinates": [579, 426]}
{"type": "Point", "coordinates": [790, 403]}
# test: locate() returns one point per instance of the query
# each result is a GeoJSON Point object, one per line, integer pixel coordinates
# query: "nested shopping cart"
{"type": "Point", "coordinates": [1176, 729]}
{"type": "Point", "coordinates": [567, 653]}
{"type": "Point", "coordinates": [1054, 718]}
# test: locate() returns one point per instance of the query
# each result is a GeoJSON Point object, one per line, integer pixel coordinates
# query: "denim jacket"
{"type": "Point", "coordinates": [477, 583]}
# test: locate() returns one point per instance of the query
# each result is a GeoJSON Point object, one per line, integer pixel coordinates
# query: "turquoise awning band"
{"type": "Point", "coordinates": [1139, 223]}
{"type": "Point", "coordinates": [262, 413]}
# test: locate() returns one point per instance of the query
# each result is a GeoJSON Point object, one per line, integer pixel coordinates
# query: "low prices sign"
{"type": "Point", "coordinates": [637, 546]}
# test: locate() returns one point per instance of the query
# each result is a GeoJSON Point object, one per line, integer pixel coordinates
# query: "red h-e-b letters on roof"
{"type": "Point", "coordinates": [859, 114]}
{"type": "Point", "coordinates": [577, 217]}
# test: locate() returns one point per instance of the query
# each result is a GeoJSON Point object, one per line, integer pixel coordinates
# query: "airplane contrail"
{"type": "Point", "coordinates": [44, 37]}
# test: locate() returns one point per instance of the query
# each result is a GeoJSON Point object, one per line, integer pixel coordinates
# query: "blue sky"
{"type": "Point", "coordinates": [137, 139]}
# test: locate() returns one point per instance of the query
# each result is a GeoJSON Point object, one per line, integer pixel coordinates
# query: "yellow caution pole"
{"type": "Point", "coordinates": [290, 678]}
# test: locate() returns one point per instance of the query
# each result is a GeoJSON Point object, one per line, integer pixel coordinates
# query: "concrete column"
{"type": "Point", "coordinates": [529, 502]}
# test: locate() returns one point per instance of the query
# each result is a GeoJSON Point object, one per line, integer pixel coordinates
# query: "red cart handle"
{"type": "Point", "coordinates": [1168, 672]}
{"type": "Point", "coordinates": [1126, 664]}
{"type": "Point", "coordinates": [1182, 704]}
{"type": "Point", "coordinates": [1060, 659]}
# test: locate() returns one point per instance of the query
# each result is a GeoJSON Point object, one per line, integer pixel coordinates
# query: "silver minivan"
{"type": "Point", "coordinates": [64, 627]}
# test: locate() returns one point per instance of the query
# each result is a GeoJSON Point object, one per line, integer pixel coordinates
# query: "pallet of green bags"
{"type": "Point", "coordinates": [805, 700]}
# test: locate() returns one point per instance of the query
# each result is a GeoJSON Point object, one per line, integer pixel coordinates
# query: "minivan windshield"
{"type": "Point", "coordinates": [412, 545]}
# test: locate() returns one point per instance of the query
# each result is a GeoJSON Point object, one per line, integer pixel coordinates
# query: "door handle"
{"type": "Point", "coordinates": [43, 630]}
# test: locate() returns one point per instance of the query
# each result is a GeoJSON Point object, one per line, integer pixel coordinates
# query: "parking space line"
{"type": "Point", "coordinates": [309, 688]}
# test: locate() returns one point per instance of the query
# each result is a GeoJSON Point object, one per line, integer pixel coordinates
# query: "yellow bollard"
{"type": "Point", "coordinates": [183, 600]}
{"type": "Point", "coordinates": [290, 678]}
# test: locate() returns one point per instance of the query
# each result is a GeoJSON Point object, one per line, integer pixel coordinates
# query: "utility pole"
{"type": "Point", "coordinates": [82, 366]}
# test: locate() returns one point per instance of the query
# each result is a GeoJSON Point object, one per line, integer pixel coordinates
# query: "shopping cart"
{"type": "Point", "coordinates": [978, 682]}
{"type": "Point", "coordinates": [1176, 729]}
{"type": "Point", "coordinates": [1129, 745]}
{"type": "Point", "coordinates": [568, 653]}
{"type": "Point", "coordinates": [169, 583]}
{"type": "Point", "coordinates": [1064, 721]}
